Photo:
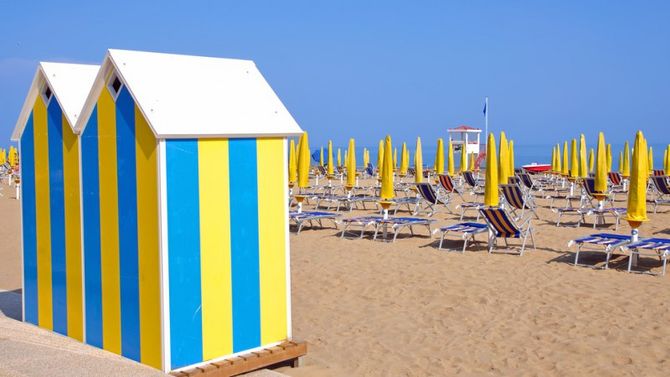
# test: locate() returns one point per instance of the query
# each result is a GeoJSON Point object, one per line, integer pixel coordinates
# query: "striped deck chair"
{"type": "Point", "coordinates": [518, 201]}
{"type": "Point", "coordinates": [514, 180]}
{"type": "Point", "coordinates": [659, 247]}
{"type": "Point", "coordinates": [601, 242]}
{"type": "Point", "coordinates": [616, 183]}
{"type": "Point", "coordinates": [310, 217]}
{"type": "Point", "coordinates": [588, 187]}
{"type": "Point", "coordinates": [475, 185]}
{"type": "Point", "coordinates": [658, 172]}
{"type": "Point", "coordinates": [447, 185]}
{"type": "Point", "coordinates": [529, 183]}
{"type": "Point", "coordinates": [431, 198]}
{"type": "Point", "coordinates": [468, 231]}
{"type": "Point", "coordinates": [662, 190]}
{"type": "Point", "coordinates": [370, 170]}
{"type": "Point", "coordinates": [501, 225]}
{"type": "Point", "coordinates": [399, 223]}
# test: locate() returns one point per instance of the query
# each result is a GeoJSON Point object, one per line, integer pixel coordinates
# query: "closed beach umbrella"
{"type": "Point", "coordinates": [491, 197]}
{"type": "Point", "coordinates": [464, 158]}
{"type": "Point", "coordinates": [472, 161]}
{"type": "Point", "coordinates": [395, 158]}
{"type": "Point", "coordinates": [331, 163]}
{"type": "Point", "coordinates": [450, 158]}
{"type": "Point", "coordinates": [366, 158]}
{"type": "Point", "coordinates": [625, 170]}
{"type": "Point", "coordinates": [583, 172]}
{"type": "Point", "coordinates": [601, 165]}
{"type": "Point", "coordinates": [574, 162]}
{"type": "Point", "coordinates": [565, 167]}
{"type": "Point", "coordinates": [667, 160]}
{"type": "Point", "coordinates": [591, 161]}
{"type": "Point", "coordinates": [3, 156]}
{"type": "Point", "coordinates": [503, 160]}
{"type": "Point", "coordinates": [553, 158]}
{"type": "Point", "coordinates": [650, 160]}
{"type": "Point", "coordinates": [292, 163]}
{"type": "Point", "coordinates": [387, 191]}
{"type": "Point", "coordinates": [439, 157]}
{"type": "Point", "coordinates": [351, 163]}
{"type": "Point", "coordinates": [339, 158]}
{"type": "Point", "coordinates": [511, 158]}
{"type": "Point", "coordinates": [380, 157]}
{"type": "Point", "coordinates": [418, 162]}
{"type": "Point", "coordinates": [637, 192]}
{"type": "Point", "coordinates": [303, 161]}
{"type": "Point", "coordinates": [404, 160]}
{"type": "Point", "coordinates": [559, 165]}
{"type": "Point", "coordinates": [321, 160]}
{"type": "Point", "coordinates": [609, 157]}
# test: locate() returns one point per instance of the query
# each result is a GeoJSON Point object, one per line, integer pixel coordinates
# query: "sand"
{"type": "Point", "coordinates": [370, 308]}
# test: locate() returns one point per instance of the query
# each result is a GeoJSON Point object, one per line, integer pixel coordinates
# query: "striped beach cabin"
{"type": "Point", "coordinates": [184, 209]}
{"type": "Point", "coordinates": [50, 200]}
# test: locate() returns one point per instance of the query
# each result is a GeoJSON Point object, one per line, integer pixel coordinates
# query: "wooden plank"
{"type": "Point", "coordinates": [289, 351]}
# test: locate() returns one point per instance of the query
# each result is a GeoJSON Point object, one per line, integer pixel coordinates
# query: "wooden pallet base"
{"type": "Point", "coordinates": [285, 353]}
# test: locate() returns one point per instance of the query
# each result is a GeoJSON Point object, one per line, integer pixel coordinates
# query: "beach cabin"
{"type": "Point", "coordinates": [185, 217]}
{"type": "Point", "coordinates": [50, 200]}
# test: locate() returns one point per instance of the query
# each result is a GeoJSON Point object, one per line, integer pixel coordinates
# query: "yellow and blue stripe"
{"type": "Point", "coordinates": [226, 246]}
{"type": "Point", "coordinates": [51, 221]}
{"type": "Point", "coordinates": [120, 196]}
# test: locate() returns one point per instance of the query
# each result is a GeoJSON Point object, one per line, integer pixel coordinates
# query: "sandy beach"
{"type": "Point", "coordinates": [370, 308]}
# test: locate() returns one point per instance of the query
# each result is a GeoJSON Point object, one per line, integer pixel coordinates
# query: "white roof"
{"type": "Point", "coordinates": [193, 96]}
{"type": "Point", "coordinates": [70, 84]}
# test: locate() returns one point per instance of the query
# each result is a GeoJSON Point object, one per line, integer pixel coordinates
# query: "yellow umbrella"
{"type": "Point", "coordinates": [351, 164]}
{"type": "Point", "coordinates": [667, 160]}
{"type": "Point", "coordinates": [601, 166]}
{"type": "Point", "coordinates": [609, 157]}
{"type": "Point", "coordinates": [574, 162]}
{"type": "Point", "coordinates": [625, 171]}
{"type": "Point", "coordinates": [303, 161]}
{"type": "Point", "coordinates": [511, 158]}
{"type": "Point", "coordinates": [387, 191]}
{"type": "Point", "coordinates": [565, 169]}
{"type": "Point", "coordinates": [450, 158]}
{"type": "Point", "coordinates": [464, 158]}
{"type": "Point", "coordinates": [637, 192]}
{"type": "Point", "coordinates": [491, 197]}
{"type": "Point", "coordinates": [418, 162]}
{"type": "Point", "coordinates": [439, 157]}
{"type": "Point", "coordinates": [582, 157]}
{"type": "Point", "coordinates": [321, 161]}
{"type": "Point", "coordinates": [404, 161]}
{"type": "Point", "coordinates": [503, 160]}
{"type": "Point", "coordinates": [339, 158]}
{"type": "Point", "coordinates": [380, 157]}
{"type": "Point", "coordinates": [395, 158]}
{"type": "Point", "coordinates": [591, 161]}
{"type": "Point", "coordinates": [292, 163]}
{"type": "Point", "coordinates": [553, 158]}
{"type": "Point", "coordinates": [3, 157]}
{"type": "Point", "coordinates": [472, 161]}
{"type": "Point", "coordinates": [650, 160]}
{"type": "Point", "coordinates": [366, 158]}
{"type": "Point", "coordinates": [346, 158]}
{"type": "Point", "coordinates": [331, 167]}
{"type": "Point", "coordinates": [558, 159]}
{"type": "Point", "coordinates": [621, 162]}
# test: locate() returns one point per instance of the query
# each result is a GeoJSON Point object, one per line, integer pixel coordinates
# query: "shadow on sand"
{"type": "Point", "coordinates": [10, 304]}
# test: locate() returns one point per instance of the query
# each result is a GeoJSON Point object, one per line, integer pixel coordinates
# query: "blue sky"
{"type": "Point", "coordinates": [358, 69]}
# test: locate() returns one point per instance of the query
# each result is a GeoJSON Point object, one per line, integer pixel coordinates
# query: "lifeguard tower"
{"type": "Point", "coordinates": [467, 139]}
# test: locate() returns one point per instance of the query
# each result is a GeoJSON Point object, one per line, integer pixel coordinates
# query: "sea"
{"type": "Point", "coordinates": [523, 154]}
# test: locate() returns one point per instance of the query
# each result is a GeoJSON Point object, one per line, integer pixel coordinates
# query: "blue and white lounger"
{"type": "Point", "coordinates": [602, 242]}
{"type": "Point", "coordinates": [467, 231]}
{"type": "Point", "coordinates": [659, 247]}
{"type": "Point", "coordinates": [301, 218]}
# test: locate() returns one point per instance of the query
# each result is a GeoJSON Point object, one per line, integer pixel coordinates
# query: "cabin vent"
{"type": "Point", "coordinates": [114, 85]}
{"type": "Point", "coordinates": [47, 94]}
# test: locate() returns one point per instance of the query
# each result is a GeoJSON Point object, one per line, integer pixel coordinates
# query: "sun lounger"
{"type": "Point", "coordinates": [397, 224]}
{"type": "Point", "coordinates": [467, 232]}
{"type": "Point", "coordinates": [431, 198]}
{"type": "Point", "coordinates": [600, 242]}
{"type": "Point", "coordinates": [310, 217]}
{"type": "Point", "coordinates": [588, 185]}
{"type": "Point", "coordinates": [475, 184]}
{"type": "Point", "coordinates": [518, 201]}
{"type": "Point", "coordinates": [503, 226]}
{"type": "Point", "coordinates": [659, 247]}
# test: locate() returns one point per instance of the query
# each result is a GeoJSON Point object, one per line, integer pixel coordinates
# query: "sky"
{"type": "Point", "coordinates": [364, 69]}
